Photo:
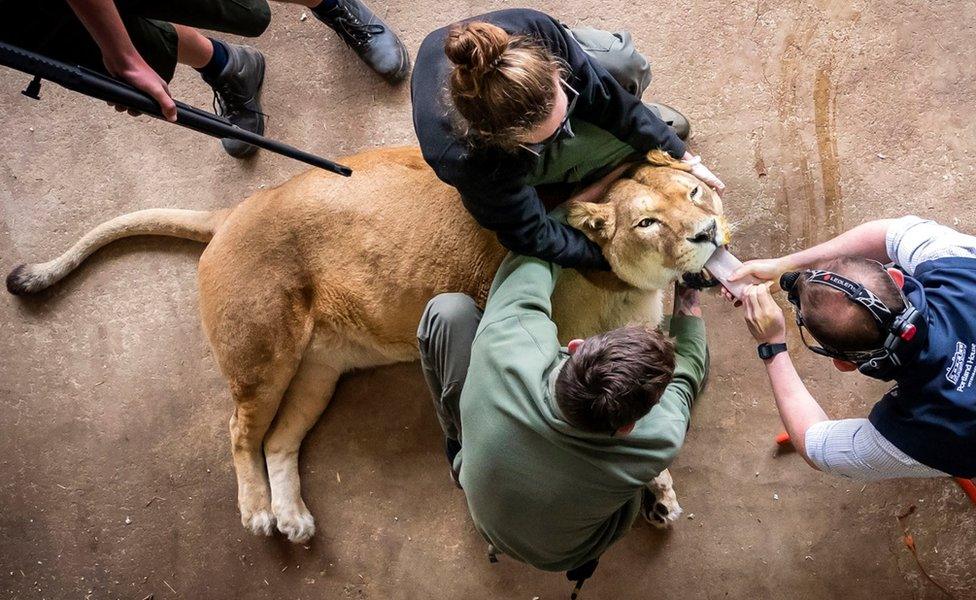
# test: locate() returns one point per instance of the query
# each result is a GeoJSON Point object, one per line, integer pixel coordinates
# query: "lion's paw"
{"type": "Point", "coordinates": [662, 509]}
{"type": "Point", "coordinates": [260, 522]}
{"type": "Point", "coordinates": [297, 523]}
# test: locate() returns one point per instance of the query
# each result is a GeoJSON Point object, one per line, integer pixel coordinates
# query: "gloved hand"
{"type": "Point", "coordinates": [702, 172]}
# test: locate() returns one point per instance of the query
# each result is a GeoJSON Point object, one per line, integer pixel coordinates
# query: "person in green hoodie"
{"type": "Point", "coordinates": [555, 447]}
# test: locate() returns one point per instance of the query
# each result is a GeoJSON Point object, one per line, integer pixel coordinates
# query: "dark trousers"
{"type": "Point", "coordinates": [51, 28]}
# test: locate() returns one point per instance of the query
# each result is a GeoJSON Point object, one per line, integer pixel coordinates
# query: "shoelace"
{"type": "Point", "coordinates": [223, 104]}
{"type": "Point", "coordinates": [355, 32]}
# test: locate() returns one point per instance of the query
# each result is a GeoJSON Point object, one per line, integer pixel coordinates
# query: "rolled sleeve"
{"type": "Point", "coordinates": [853, 448]}
{"type": "Point", "coordinates": [911, 240]}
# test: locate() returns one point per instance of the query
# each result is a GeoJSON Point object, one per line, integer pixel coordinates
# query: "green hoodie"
{"type": "Point", "coordinates": [538, 489]}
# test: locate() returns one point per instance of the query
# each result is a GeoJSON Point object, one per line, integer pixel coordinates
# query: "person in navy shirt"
{"type": "Point", "coordinates": [926, 425]}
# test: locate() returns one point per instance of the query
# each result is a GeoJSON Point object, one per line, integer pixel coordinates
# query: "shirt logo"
{"type": "Point", "coordinates": [962, 370]}
{"type": "Point", "coordinates": [955, 367]}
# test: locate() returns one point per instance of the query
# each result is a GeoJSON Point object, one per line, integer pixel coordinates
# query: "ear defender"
{"type": "Point", "coordinates": [787, 281]}
{"type": "Point", "coordinates": [906, 334]}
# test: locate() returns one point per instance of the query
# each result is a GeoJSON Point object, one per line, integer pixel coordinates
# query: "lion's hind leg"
{"type": "Point", "coordinates": [258, 339]}
{"type": "Point", "coordinates": [307, 397]}
{"type": "Point", "coordinates": [256, 404]}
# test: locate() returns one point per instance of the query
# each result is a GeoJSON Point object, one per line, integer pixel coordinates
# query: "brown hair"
{"type": "Point", "coordinates": [615, 378]}
{"type": "Point", "coordinates": [836, 321]}
{"type": "Point", "coordinates": [502, 85]}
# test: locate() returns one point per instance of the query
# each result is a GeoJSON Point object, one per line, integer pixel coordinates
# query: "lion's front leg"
{"type": "Point", "coordinates": [660, 504]}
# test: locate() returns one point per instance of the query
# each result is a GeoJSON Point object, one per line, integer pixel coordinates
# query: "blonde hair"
{"type": "Point", "coordinates": [502, 85]}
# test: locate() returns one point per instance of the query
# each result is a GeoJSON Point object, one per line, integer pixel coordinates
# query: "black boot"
{"type": "Point", "coordinates": [237, 95]}
{"type": "Point", "coordinates": [673, 118]}
{"type": "Point", "coordinates": [370, 37]}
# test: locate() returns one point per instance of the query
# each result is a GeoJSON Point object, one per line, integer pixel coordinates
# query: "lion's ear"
{"type": "Point", "coordinates": [660, 158]}
{"type": "Point", "coordinates": [594, 219]}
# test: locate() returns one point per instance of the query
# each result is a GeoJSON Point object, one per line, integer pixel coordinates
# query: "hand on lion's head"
{"type": "Point", "coordinates": [657, 222]}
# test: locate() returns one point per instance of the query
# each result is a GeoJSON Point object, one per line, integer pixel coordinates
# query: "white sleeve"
{"type": "Point", "coordinates": [854, 448]}
{"type": "Point", "coordinates": [910, 241]}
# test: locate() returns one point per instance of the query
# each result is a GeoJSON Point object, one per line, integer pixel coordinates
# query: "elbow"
{"type": "Point", "coordinates": [799, 441]}
{"type": "Point", "coordinates": [810, 461]}
{"type": "Point", "coordinates": [518, 244]}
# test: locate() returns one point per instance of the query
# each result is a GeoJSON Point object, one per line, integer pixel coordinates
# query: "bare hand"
{"type": "Point", "coordinates": [687, 301]}
{"type": "Point", "coordinates": [763, 316]}
{"type": "Point", "coordinates": [729, 296]}
{"type": "Point", "coordinates": [768, 269]}
{"type": "Point", "coordinates": [702, 172]}
{"type": "Point", "coordinates": [135, 71]}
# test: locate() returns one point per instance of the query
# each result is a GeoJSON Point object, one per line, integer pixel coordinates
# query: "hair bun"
{"type": "Point", "coordinates": [476, 46]}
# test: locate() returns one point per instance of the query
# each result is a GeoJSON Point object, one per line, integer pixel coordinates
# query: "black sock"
{"type": "Point", "coordinates": [217, 62]}
{"type": "Point", "coordinates": [325, 7]}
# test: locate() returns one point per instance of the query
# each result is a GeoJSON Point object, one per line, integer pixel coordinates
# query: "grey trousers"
{"type": "Point", "coordinates": [445, 335]}
{"type": "Point", "coordinates": [616, 53]}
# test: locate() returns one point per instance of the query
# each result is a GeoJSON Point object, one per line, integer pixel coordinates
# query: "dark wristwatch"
{"type": "Point", "coordinates": [767, 351]}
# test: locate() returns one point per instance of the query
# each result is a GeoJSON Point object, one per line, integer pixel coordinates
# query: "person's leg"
{"type": "Point", "coordinates": [193, 49]}
{"type": "Point", "coordinates": [51, 28]}
{"type": "Point", "coordinates": [247, 18]}
{"type": "Point", "coordinates": [445, 334]}
{"type": "Point", "coordinates": [615, 52]}
{"type": "Point", "coordinates": [236, 74]}
{"type": "Point", "coordinates": [372, 39]}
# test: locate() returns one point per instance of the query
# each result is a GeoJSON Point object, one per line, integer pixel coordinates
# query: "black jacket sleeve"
{"type": "Point", "coordinates": [603, 101]}
{"type": "Point", "coordinates": [519, 219]}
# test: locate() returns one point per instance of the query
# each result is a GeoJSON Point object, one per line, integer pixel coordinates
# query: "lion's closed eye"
{"type": "Point", "coordinates": [646, 222]}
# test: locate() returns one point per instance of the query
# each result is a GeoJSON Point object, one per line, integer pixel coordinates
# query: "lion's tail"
{"type": "Point", "coordinates": [187, 224]}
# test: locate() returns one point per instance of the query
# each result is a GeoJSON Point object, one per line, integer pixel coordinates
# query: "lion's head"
{"type": "Point", "coordinates": [658, 221]}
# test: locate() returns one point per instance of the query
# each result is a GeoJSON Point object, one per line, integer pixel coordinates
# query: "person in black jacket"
{"type": "Point", "coordinates": [513, 99]}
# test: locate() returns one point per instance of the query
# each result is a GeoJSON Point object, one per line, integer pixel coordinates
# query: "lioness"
{"type": "Point", "coordinates": [322, 275]}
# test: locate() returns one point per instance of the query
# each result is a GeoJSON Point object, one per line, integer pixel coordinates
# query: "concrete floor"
{"type": "Point", "coordinates": [116, 473]}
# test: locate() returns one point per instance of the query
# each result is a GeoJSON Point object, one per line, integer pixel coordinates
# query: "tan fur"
{"type": "Point", "coordinates": [321, 275]}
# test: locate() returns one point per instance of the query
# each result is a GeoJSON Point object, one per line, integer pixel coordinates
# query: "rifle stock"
{"type": "Point", "coordinates": [94, 84]}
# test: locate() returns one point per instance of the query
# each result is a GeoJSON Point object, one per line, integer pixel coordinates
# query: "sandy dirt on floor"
{"type": "Point", "coordinates": [116, 473]}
